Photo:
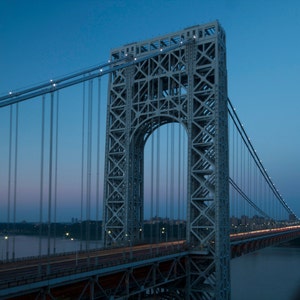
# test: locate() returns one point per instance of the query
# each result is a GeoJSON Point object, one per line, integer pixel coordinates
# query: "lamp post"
{"type": "Point", "coordinates": [7, 246]}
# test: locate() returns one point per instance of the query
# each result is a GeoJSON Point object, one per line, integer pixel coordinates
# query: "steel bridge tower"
{"type": "Point", "coordinates": [180, 77]}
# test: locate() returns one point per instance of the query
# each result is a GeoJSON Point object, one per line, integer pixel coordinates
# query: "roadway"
{"type": "Point", "coordinates": [27, 271]}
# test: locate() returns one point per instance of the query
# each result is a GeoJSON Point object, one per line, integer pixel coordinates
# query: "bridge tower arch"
{"type": "Point", "coordinates": [180, 77]}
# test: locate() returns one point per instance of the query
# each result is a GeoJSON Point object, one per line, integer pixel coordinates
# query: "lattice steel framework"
{"type": "Point", "coordinates": [180, 77]}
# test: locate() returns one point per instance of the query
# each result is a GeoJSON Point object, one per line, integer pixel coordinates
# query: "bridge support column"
{"type": "Point", "coordinates": [180, 77]}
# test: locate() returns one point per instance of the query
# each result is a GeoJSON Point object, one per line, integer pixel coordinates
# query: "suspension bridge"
{"type": "Point", "coordinates": [143, 165]}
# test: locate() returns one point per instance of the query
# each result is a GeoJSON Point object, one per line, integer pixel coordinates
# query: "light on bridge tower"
{"type": "Point", "coordinates": [190, 67]}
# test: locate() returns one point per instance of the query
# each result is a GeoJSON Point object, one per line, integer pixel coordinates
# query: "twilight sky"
{"type": "Point", "coordinates": [45, 39]}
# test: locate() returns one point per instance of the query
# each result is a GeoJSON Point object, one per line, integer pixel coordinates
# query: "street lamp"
{"type": "Point", "coordinates": [164, 232]}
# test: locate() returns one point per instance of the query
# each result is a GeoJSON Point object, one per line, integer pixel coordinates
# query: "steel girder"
{"type": "Point", "coordinates": [187, 85]}
{"type": "Point", "coordinates": [157, 276]}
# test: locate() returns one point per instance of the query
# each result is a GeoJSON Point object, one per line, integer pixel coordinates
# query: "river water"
{"type": "Point", "coordinates": [268, 274]}
{"type": "Point", "coordinates": [26, 246]}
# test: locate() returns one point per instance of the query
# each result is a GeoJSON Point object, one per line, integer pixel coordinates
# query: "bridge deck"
{"type": "Point", "coordinates": [110, 266]}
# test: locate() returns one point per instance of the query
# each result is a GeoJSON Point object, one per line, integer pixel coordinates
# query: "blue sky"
{"type": "Point", "coordinates": [45, 39]}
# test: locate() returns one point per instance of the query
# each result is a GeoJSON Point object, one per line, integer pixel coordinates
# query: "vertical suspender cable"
{"type": "Point", "coordinates": [251, 181]}
{"type": "Point", "coordinates": [98, 160]}
{"type": "Point", "coordinates": [265, 199]}
{"type": "Point", "coordinates": [247, 206]}
{"type": "Point", "coordinates": [82, 165]}
{"type": "Point", "coordinates": [230, 166]}
{"type": "Point", "coordinates": [236, 172]}
{"type": "Point", "coordinates": [50, 174]}
{"type": "Point", "coordinates": [152, 189]}
{"type": "Point", "coordinates": [234, 200]}
{"type": "Point", "coordinates": [172, 185]}
{"type": "Point", "coordinates": [238, 175]}
{"type": "Point", "coordinates": [15, 176]}
{"type": "Point", "coordinates": [89, 164]}
{"type": "Point", "coordinates": [246, 174]}
{"type": "Point", "coordinates": [275, 205]}
{"type": "Point", "coordinates": [9, 181]}
{"type": "Point", "coordinates": [243, 180]}
{"type": "Point", "coordinates": [55, 171]}
{"type": "Point", "coordinates": [255, 187]}
{"type": "Point", "coordinates": [179, 183]}
{"type": "Point", "coordinates": [167, 174]}
{"type": "Point", "coordinates": [184, 176]}
{"type": "Point", "coordinates": [261, 193]}
{"type": "Point", "coordinates": [272, 204]}
{"type": "Point", "coordinates": [157, 231]}
{"type": "Point", "coordinates": [41, 180]}
{"type": "Point", "coordinates": [232, 174]}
